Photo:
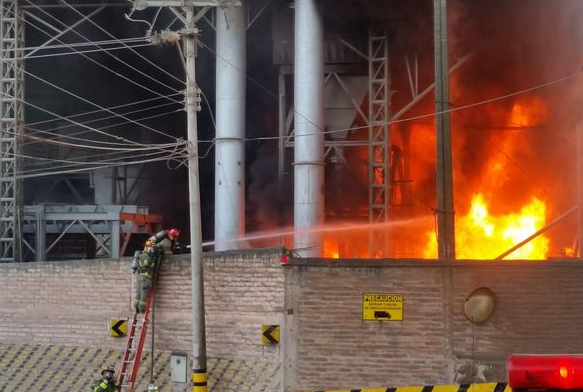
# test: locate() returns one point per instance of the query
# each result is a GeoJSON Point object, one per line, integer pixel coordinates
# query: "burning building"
{"type": "Point", "coordinates": [514, 111]}
{"type": "Point", "coordinates": [351, 169]}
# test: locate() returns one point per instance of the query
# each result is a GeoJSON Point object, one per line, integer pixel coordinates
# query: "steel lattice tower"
{"type": "Point", "coordinates": [379, 190]}
{"type": "Point", "coordinates": [11, 120]}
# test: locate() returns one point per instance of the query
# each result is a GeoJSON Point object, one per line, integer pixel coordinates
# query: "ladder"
{"type": "Point", "coordinates": [133, 354]}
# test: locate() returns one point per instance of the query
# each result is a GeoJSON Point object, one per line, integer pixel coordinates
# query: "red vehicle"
{"type": "Point", "coordinates": [545, 372]}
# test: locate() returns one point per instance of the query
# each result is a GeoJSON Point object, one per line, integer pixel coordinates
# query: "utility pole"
{"type": "Point", "coordinates": [445, 212]}
{"type": "Point", "coordinates": [199, 378]}
{"type": "Point", "coordinates": [185, 11]}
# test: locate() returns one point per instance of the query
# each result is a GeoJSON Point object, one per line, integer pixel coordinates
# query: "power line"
{"type": "Point", "coordinates": [79, 52]}
{"type": "Point", "coordinates": [89, 168]}
{"type": "Point", "coordinates": [172, 148]}
{"type": "Point", "coordinates": [171, 154]}
{"type": "Point", "coordinates": [99, 64]}
{"type": "Point", "coordinates": [73, 45]}
{"type": "Point", "coordinates": [110, 108]}
{"type": "Point", "coordinates": [72, 135]}
{"type": "Point", "coordinates": [81, 125]}
{"type": "Point", "coordinates": [115, 38]}
{"type": "Point", "coordinates": [124, 77]}
{"type": "Point", "coordinates": [98, 106]}
{"type": "Point", "coordinates": [94, 147]}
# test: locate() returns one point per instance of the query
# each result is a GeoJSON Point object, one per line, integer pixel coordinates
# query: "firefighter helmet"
{"type": "Point", "coordinates": [174, 233]}
{"type": "Point", "coordinates": [108, 369]}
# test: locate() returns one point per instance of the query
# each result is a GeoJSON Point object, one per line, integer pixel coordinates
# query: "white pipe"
{"type": "Point", "coordinates": [230, 133]}
{"type": "Point", "coordinates": [309, 125]}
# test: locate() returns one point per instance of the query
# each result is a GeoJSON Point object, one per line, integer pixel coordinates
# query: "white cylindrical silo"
{"type": "Point", "coordinates": [308, 127]}
{"type": "Point", "coordinates": [230, 123]}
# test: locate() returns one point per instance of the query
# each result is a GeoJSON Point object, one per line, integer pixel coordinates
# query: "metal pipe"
{"type": "Point", "coordinates": [230, 133]}
{"type": "Point", "coordinates": [537, 233]}
{"type": "Point", "coordinates": [309, 125]}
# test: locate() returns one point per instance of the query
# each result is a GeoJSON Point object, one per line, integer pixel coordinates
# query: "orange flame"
{"type": "Point", "coordinates": [483, 232]}
{"type": "Point", "coordinates": [480, 235]}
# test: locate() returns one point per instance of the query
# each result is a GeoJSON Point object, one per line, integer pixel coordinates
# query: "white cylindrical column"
{"type": "Point", "coordinates": [230, 117]}
{"type": "Point", "coordinates": [308, 127]}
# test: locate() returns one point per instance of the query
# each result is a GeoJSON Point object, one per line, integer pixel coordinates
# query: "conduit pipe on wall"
{"type": "Point", "coordinates": [308, 127]}
{"type": "Point", "coordinates": [230, 132]}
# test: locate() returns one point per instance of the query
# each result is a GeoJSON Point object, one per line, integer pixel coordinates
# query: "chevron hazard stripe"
{"type": "Point", "coordinates": [476, 387]}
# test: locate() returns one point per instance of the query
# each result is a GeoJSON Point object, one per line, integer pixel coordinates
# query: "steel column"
{"type": "Point", "coordinates": [309, 126]}
{"type": "Point", "coordinates": [230, 133]}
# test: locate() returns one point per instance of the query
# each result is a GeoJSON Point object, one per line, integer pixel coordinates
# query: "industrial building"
{"type": "Point", "coordinates": [375, 173]}
{"type": "Point", "coordinates": [399, 152]}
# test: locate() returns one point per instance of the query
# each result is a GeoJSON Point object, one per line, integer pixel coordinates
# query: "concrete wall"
{"type": "Point", "coordinates": [328, 346]}
{"type": "Point", "coordinates": [70, 303]}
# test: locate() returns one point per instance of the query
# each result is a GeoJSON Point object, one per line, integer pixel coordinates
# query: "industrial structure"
{"type": "Point", "coordinates": [357, 110]}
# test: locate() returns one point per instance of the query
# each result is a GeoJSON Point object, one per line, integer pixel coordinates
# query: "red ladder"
{"type": "Point", "coordinates": [133, 353]}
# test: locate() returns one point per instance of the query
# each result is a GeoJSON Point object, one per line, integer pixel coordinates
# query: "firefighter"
{"type": "Point", "coordinates": [163, 243]}
{"type": "Point", "coordinates": [107, 383]}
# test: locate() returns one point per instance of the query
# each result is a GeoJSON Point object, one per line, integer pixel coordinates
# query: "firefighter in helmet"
{"type": "Point", "coordinates": [107, 383]}
{"type": "Point", "coordinates": [163, 243]}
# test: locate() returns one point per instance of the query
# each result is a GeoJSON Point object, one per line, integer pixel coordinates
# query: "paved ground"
{"type": "Point", "coordinates": [46, 368]}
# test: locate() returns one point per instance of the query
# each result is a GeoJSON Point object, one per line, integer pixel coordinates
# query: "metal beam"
{"type": "Point", "coordinates": [537, 233]}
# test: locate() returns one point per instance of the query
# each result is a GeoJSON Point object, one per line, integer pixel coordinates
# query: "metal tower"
{"type": "Point", "coordinates": [11, 119]}
{"type": "Point", "coordinates": [379, 192]}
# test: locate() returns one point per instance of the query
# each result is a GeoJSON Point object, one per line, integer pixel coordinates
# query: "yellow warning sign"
{"type": "Point", "coordinates": [118, 328]}
{"type": "Point", "coordinates": [269, 334]}
{"type": "Point", "coordinates": [382, 306]}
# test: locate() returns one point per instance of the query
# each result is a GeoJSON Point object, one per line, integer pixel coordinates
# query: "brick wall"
{"type": "Point", "coordinates": [328, 346]}
{"type": "Point", "coordinates": [70, 303]}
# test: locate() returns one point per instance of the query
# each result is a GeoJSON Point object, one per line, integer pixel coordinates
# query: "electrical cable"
{"type": "Point", "coordinates": [99, 64]}
{"type": "Point", "coordinates": [72, 136]}
{"type": "Point", "coordinates": [115, 38]}
{"type": "Point", "coordinates": [85, 37]}
{"type": "Point", "coordinates": [139, 85]}
{"type": "Point", "coordinates": [156, 16]}
{"type": "Point", "coordinates": [81, 125]}
{"type": "Point", "coordinates": [71, 163]}
{"type": "Point", "coordinates": [166, 149]}
{"type": "Point", "coordinates": [94, 147]}
{"type": "Point", "coordinates": [84, 17]}
{"type": "Point", "coordinates": [37, 56]}
{"type": "Point", "coordinates": [98, 106]}
{"type": "Point", "coordinates": [99, 111]}
{"type": "Point", "coordinates": [19, 177]}
{"type": "Point", "coordinates": [172, 152]}
{"type": "Point", "coordinates": [74, 44]}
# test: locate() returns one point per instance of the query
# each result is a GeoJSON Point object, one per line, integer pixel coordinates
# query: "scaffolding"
{"type": "Point", "coordinates": [11, 120]}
